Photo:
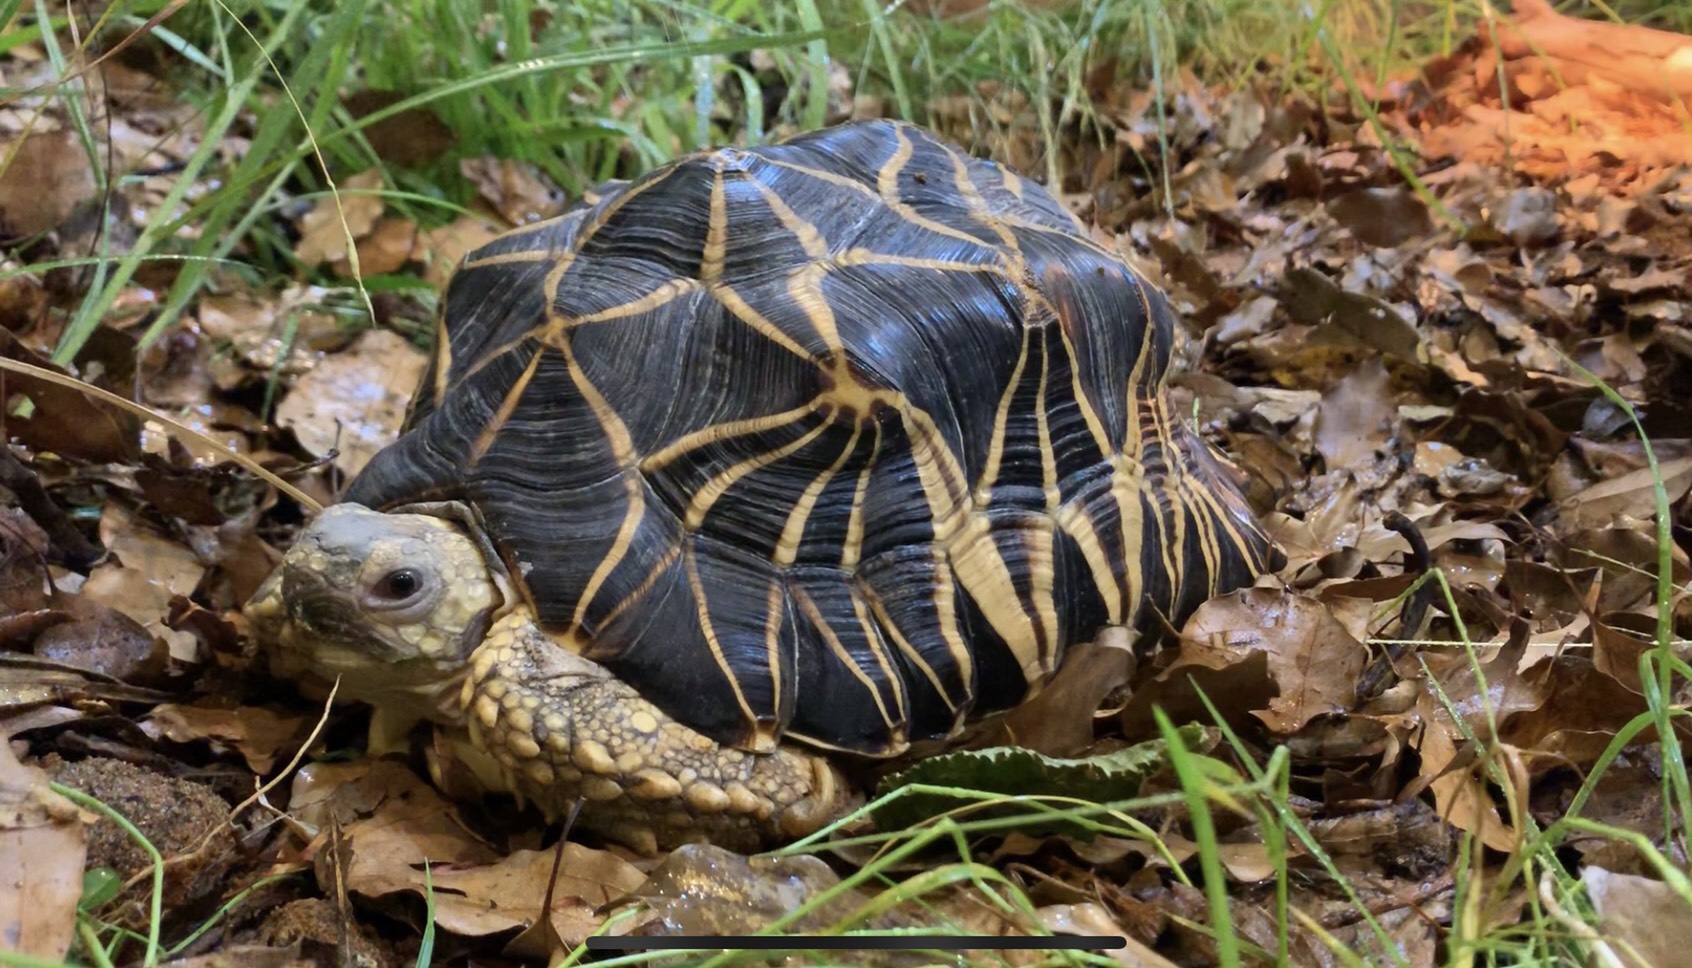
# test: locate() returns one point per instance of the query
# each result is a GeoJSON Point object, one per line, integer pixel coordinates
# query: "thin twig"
{"type": "Point", "coordinates": [258, 794]}
{"type": "Point", "coordinates": [106, 396]}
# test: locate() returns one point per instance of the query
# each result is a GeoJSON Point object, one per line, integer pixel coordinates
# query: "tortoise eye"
{"type": "Point", "coordinates": [397, 586]}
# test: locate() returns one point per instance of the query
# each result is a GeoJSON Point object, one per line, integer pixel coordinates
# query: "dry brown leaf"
{"type": "Point", "coordinates": [1628, 794]}
{"type": "Point", "coordinates": [1405, 835]}
{"type": "Point", "coordinates": [1190, 941]}
{"type": "Point", "coordinates": [262, 328]}
{"type": "Point", "coordinates": [354, 401]}
{"type": "Point", "coordinates": [97, 638]}
{"type": "Point", "coordinates": [1528, 216]}
{"type": "Point", "coordinates": [1616, 650]}
{"type": "Point", "coordinates": [46, 177]}
{"type": "Point", "coordinates": [147, 570]}
{"type": "Point", "coordinates": [1579, 709]}
{"type": "Point", "coordinates": [518, 191]}
{"type": "Point", "coordinates": [1488, 687]}
{"type": "Point", "coordinates": [1309, 651]}
{"type": "Point", "coordinates": [1280, 407]}
{"type": "Point", "coordinates": [232, 315]}
{"type": "Point", "coordinates": [701, 889]}
{"type": "Point", "coordinates": [1655, 277]}
{"type": "Point", "coordinates": [1631, 495]}
{"type": "Point", "coordinates": [1382, 217]}
{"type": "Point", "coordinates": [246, 956]}
{"type": "Point", "coordinates": [393, 824]}
{"type": "Point", "coordinates": [1315, 300]}
{"type": "Point", "coordinates": [1458, 270]}
{"type": "Point", "coordinates": [42, 847]}
{"type": "Point", "coordinates": [65, 421]}
{"type": "Point", "coordinates": [260, 735]}
{"type": "Point", "coordinates": [23, 299]}
{"type": "Point", "coordinates": [351, 212]}
{"type": "Point", "coordinates": [1247, 862]}
{"type": "Point", "coordinates": [508, 893]}
{"type": "Point", "coordinates": [1377, 543]}
{"type": "Point", "coordinates": [24, 577]}
{"type": "Point", "coordinates": [1654, 62]}
{"type": "Point", "coordinates": [1059, 721]}
{"type": "Point", "coordinates": [1247, 321]}
{"type": "Point", "coordinates": [1237, 686]}
{"type": "Point", "coordinates": [1493, 694]}
{"type": "Point", "coordinates": [1356, 418]}
{"type": "Point", "coordinates": [1090, 919]}
{"type": "Point", "coordinates": [413, 137]}
{"type": "Point", "coordinates": [320, 792]}
{"type": "Point", "coordinates": [1459, 791]}
{"type": "Point", "coordinates": [386, 249]}
{"type": "Point", "coordinates": [1639, 917]}
{"type": "Point", "coordinates": [441, 249]}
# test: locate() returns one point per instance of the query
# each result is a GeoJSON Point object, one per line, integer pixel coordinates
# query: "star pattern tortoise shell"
{"type": "Point", "coordinates": [835, 444]}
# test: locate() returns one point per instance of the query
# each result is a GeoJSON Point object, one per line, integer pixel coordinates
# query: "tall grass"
{"type": "Point", "coordinates": [582, 91]}
{"type": "Point", "coordinates": [590, 90]}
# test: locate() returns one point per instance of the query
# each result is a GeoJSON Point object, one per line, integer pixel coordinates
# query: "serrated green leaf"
{"type": "Point", "coordinates": [975, 776]}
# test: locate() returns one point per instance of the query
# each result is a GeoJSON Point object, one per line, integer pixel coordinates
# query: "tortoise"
{"type": "Point", "coordinates": [769, 464]}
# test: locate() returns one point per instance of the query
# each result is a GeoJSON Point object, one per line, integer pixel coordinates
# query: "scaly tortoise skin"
{"type": "Point", "coordinates": [770, 460]}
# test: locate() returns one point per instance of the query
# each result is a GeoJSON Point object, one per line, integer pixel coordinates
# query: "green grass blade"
{"type": "Point", "coordinates": [158, 228]}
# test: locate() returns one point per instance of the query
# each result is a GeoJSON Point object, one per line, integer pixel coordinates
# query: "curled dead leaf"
{"type": "Point", "coordinates": [260, 735]}
{"type": "Point", "coordinates": [1059, 721]}
{"type": "Point", "coordinates": [1289, 658]}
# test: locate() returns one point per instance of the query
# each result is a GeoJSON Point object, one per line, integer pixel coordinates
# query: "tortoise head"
{"type": "Point", "coordinates": [392, 604]}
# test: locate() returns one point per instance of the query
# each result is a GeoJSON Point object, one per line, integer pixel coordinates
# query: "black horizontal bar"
{"type": "Point", "coordinates": [858, 942]}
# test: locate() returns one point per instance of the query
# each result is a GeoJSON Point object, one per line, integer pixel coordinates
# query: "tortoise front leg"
{"type": "Point", "coordinates": [565, 728]}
